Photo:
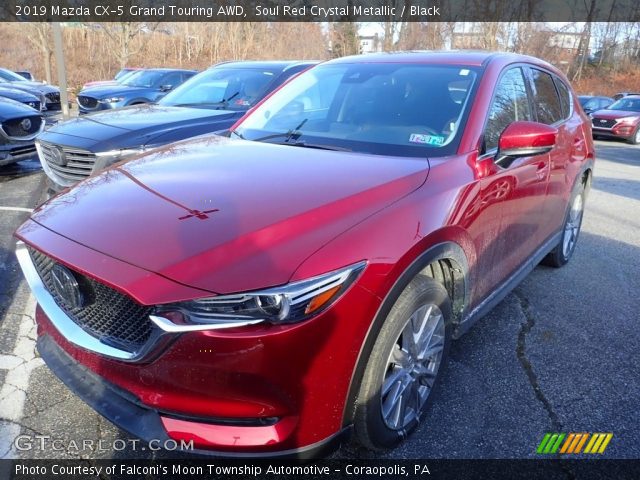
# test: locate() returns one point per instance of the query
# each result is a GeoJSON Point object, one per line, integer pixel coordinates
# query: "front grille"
{"type": "Point", "coordinates": [87, 102]}
{"type": "Point", "coordinates": [112, 317]}
{"type": "Point", "coordinates": [34, 104]}
{"type": "Point", "coordinates": [53, 101]}
{"type": "Point", "coordinates": [22, 127]}
{"type": "Point", "coordinates": [70, 164]}
{"type": "Point", "coordinates": [602, 123]}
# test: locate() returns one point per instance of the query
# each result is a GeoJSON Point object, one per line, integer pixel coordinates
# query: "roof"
{"type": "Point", "coordinates": [169, 70]}
{"type": "Point", "coordinates": [471, 58]}
{"type": "Point", "coordinates": [268, 64]}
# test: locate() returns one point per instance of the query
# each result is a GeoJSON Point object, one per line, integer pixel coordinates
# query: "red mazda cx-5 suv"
{"type": "Point", "coordinates": [271, 292]}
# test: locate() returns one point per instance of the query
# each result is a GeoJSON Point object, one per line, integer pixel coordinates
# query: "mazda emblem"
{"type": "Point", "coordinates": [58, 156]}
{"type": "Point", "coordinates": [66, 287]}
{"type": "Point", "coordinates": [25, 124]}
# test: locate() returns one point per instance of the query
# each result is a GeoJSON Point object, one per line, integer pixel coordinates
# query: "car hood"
{"type": "Point", "coordinates": [227, 215]}
{"type": "Point", "coordinates": [613, 114]}
{"type": "Point", "coordinates": [18, 95]}
{"type": "Point", "coordinates": [135, 126]}
{"type": "Point", "coordinates": [12, 109]}
{"type": "Point", "coordinates": [106, 91]}
{"type": "Point", "coordinates": [29, 87]}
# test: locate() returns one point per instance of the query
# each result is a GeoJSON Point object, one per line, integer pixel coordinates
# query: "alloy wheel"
{"type": "Point", "coordinates": [572, 227]}
{"type": "Point", "coordinates": [412, 367]}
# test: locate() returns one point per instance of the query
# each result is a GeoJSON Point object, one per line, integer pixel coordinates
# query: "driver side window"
{"type": "Point", "coordinates": [510, 104]}
{"type": "Point", "coordinates": [173, 80]}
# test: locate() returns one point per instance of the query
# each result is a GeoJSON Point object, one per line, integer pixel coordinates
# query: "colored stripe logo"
{"type": "Point", "coordinates": [574, 443]}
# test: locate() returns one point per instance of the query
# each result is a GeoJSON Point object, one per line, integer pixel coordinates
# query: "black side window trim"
{"type": "Point", "coordinates": [524, 69]}
{"type": "Point", "coordinates": [557, 82]}
{"type": "Point", "coordinates": [555, 86]}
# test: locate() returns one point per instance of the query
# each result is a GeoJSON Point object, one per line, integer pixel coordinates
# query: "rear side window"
{"type": "Point", "coordinates": [510, 104]}
{"type": "Point", "coordinates": [546, 98]}
{"type": "Point", "coordinates": [565, 98]}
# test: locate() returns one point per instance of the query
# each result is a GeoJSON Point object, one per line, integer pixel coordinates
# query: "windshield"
{"type": "Point", "coordinates": [124, 72]}
{"type": "Point", "coordinates": [379, 108]}
{"type": "Point", "coordinates": [626, 104]}
{"type": "Point", "coordinates": [128, 76]}
{"type": "Point", "coordinates": [9, 76]}
{"type": "Point", "coordinates": [231, 88]}
{"type": "Point", "coordinates": [144, 78]}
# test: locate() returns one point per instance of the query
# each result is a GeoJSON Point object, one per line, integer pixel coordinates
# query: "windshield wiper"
{"type": "Point", "coordinates": [288, 135]}
{"type": "Point", "coordinates": [318, 146]}
{"type": "Point", "coordinates": [225, 102]}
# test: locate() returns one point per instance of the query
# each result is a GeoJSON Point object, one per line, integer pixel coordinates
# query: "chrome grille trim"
{"type": "Point", "coordinates": [79, 163]}
{"type": "Point", "coordinates": [71, 330]}
{"type": "Point", "coordinates": [28, 136]}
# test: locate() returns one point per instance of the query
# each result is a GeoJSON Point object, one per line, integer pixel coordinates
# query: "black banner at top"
{"type": "Point", "coordinates": [320, 10]}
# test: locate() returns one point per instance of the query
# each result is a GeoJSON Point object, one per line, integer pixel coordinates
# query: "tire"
{"type": "Point", "coordinates": [635, 138]}
{"type": "Point", "coordinates": [563, 251]}
{"type": "Point", "coordinates": [379, 422]}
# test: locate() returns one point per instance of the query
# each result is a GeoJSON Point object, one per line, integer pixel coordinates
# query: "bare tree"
{"type": "Point", "coordinates": [121, 37]}
{"type": "Point", "coordinates": [40, 37]}
{"type": "Point", "coordinates": [344, 39]}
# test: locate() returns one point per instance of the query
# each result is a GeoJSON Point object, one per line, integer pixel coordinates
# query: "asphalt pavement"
{"type": "Point", "coordinates": [559, 354]}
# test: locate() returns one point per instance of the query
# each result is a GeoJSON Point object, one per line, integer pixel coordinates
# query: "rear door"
{"type": "Point", "coordinates": [554, 106]}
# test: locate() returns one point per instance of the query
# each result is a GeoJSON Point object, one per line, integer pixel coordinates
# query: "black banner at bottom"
{"type": "Point", "coordinates": [219, 469]}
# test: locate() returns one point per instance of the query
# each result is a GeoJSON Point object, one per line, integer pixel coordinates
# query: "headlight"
{"type": "Point", "coordinates": [114, 156]}
{"type": "Point", "coordinates": [628, 120]}
{"type": "Point", "coordinates": [290, 303]}
{"type": "Point", "coordinates": [111, 100]}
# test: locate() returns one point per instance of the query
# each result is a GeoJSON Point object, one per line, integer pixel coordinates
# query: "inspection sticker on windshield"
{"type": "Point", "coordinates": [426, 139]}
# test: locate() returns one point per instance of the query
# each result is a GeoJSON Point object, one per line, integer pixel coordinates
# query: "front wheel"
{"type": "Point", "coordinates": [635, 138]}
{"type": "Point", "coordinates": [562, 253]}
{"type": "Point", "coordinates": [404, 365]}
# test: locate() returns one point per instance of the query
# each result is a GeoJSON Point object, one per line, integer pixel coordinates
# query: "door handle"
{"type": "Point", "coordinates": [541, 170]}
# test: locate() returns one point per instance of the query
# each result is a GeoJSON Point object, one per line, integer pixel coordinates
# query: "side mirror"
{"type": "Point", "coordinates": [166, 88]}
{"type": "Point", "coordinates": [525, 139]}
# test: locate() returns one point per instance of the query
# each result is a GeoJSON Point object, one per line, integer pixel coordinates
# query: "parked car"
{"type": "Point", "coordinates": [19, 125]}
{"type": "Point", "coordinates": [209, 102]}
{"type": "Point", "coordinates": [48, 94]}
{"type": "Point", "coordinates": [619, 120]}
{"type": "Point", "coordinates": [620, 95]}
{"type": "Point", "coordinates": [269, 293]}
{"type": "Point", "coordinates": [119, 78]}
{"type": "Point", "coordinates": [20, 96]}
{"type": "Point", "coordinates": [148, 86]}
{"type": "Point", "coordinates": [591, 103]}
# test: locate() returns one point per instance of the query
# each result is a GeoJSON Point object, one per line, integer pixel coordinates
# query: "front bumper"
{"type": "Point", "coordinates": [129, 414]}
{"type": "Point", "coordinates": [278, 388]}
{"type": "Point", "coordinates": [17, 152]}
